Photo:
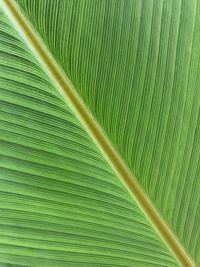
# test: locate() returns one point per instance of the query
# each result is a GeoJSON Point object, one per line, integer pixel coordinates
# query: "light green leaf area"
{"type": "Point", "coordinates": [60, 202]}
{"type": "Point", "coordinates": [136, 65]}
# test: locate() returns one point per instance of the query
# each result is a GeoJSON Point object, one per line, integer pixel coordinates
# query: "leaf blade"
{"type": "Point", "coordinates": [159, 130]}
{"type": "Point", "coordinates": [35, 180]}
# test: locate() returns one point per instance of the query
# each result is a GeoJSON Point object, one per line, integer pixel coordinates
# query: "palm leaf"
{"type": "Point", "coordinates": [100, 136]}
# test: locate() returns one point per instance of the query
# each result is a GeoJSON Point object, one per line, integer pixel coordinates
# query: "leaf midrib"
{"type": "Point", "coordinates": [67, 90]}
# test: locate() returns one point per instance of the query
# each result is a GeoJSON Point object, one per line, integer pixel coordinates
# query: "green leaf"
{"type": "Point", "coordinates": [135, 66]}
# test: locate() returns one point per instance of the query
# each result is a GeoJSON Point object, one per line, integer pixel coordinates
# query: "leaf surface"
{"type": "Point", "coordinates": [135, 64]}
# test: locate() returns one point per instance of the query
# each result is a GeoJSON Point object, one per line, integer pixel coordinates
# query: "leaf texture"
{"type": "Point", "coordinates": [136, 65]}
{"type": "Point", "coordinates": [60, 202]}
